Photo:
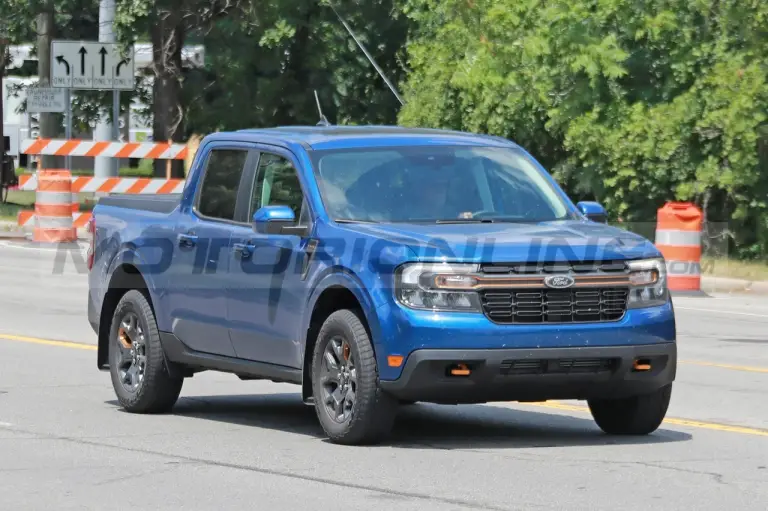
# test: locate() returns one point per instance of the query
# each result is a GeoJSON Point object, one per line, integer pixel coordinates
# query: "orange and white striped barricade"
{"type": "Point", "coordinates": [85, 184]}
{"type": "Point", "coordinates": [92, 148]}
{"type": "Point", "coordinates": [130, 185]}
{"type": "Point", "coordinates": [53, 207]}
{"type": "Point", "coordinates": [678, 237]}
{"type": "Point", "coordinates": [79, 220]}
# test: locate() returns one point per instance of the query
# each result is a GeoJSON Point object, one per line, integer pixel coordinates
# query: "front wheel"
{"type": "Point", "coordinates": [350, 405]}
{"type": "Point", "coordinates": [636, 415]}
{"type": "Point", "coordinates": [139, 375]}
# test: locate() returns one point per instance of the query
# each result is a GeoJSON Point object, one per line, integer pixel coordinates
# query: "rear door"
{"type": "Point", "coordinates": [197, 291]}
{"type": "Point", "coordinates": [267, 293]}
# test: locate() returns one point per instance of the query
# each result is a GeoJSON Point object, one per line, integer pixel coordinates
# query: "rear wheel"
{"type": "Point", "coordinates": [637, 415]}
{"type": "Point", "coordinates": [137, 365]}
{"type": "Point", "coordinates": [349, 402]}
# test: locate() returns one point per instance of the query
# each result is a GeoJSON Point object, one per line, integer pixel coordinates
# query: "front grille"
{"type": "Point", "coordinates": [558, 366]}
{"type": "Point", "coordinates": [575, 305]}
{"type": "Point", "coordinates": [576, 268]}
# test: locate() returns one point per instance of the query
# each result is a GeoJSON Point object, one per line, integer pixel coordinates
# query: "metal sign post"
{"type": "Point", "coordinates": [68, 132]}
{"type": "Point", "coordinates": [116, 115]}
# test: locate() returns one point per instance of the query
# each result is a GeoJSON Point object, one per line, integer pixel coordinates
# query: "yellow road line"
{"type": "Point", "coordinates": [750, 369]}
{"type": "Point", "coordinates": [548, 404]}
{"type": "Point", "coordinates": [669, 420]}
{"type": "Point", "coordinates": [35, 340]}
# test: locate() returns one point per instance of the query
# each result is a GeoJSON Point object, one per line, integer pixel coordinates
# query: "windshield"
{"type": "Point", "coordinates": [435, 184]}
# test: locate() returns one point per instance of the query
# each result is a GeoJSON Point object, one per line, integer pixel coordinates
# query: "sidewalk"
{"type": "Point", "coordinates": [10, 230]}
{"type": "Point", "coordinates": [710, 284]}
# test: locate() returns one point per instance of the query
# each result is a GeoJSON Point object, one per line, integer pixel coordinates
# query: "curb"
{"type": "Point", "coordinates": [12, 235]}
{"type": "Point", "coordinates": [82, 235]}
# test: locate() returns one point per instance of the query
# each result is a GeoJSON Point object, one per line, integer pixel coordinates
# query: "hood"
{"type": "Point", "coordinates": [560, 241]}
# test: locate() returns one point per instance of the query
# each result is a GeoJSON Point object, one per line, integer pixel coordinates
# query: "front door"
{"type": "Point", "coordinates": [267, 295]}
{"type": "Point", "coordinates": [196, 289]}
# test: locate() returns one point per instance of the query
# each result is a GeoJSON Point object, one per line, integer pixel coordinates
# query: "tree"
{"type": "Point", "coordinates": [264, 61]}
{"type": "Point", "coordinates": [38, 22]}
{"type": "Point", "coordinates": [168, 23]}
{"type": "Point", "coordinates": [15, 25]}
{"type": "Point", "coordinates": [630, 102]}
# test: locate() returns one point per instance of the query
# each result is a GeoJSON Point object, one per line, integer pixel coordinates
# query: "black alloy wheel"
{"type": "Point", "coordinates": [131, 355]}
{"type": "Point", "coordinates": [338, 377]}
{"type": "Point", "coordinates": [141, 378]}
{"type": "Point", "coordinates": [349, 401]}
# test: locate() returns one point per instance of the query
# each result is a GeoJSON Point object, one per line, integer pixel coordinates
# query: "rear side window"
{"type": "Point", "coordinates": [218, 194]}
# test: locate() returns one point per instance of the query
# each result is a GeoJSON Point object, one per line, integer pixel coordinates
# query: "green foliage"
{"type": "Point", "coordinates": [630, 102]}
{"type": "Point", "coordinates": [264, 61]}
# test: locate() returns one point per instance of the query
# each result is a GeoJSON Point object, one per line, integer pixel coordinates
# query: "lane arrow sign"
{"type": "Point", "coordinates": [103, 52]}
{"type": "Point", "coordinates": [61, 60]}
{"type": "Point", "coordinates": [82, 53]}
{"type": "Point", "coordinates": [121, 64]}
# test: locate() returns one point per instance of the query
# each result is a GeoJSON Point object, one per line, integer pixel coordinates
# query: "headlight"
{"type": "Point", "coordinates": [647, 283]}
{"type": "Point", "coordinates": [417, 286]}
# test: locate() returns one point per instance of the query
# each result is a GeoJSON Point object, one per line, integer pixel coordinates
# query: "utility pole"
{"type": "Point", "coordinates": [3, 59]}
{"type": "Point", "coordinates": [105, 166]}
{"type": "Point", "coordinates": [44, 38]}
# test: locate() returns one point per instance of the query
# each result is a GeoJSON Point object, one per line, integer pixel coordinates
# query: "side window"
{"type": "Point", "coordinates": [277, 184]}
{"type": "Point", "coordinates": [221, 180]}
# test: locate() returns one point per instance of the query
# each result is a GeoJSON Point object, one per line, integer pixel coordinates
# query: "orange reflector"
{"type": "Point", "coordinates": [395, 360]}
{"type": "Point", "coordinates": [641, 365]}
{"type": "Point", "coordinates": [460, 370]}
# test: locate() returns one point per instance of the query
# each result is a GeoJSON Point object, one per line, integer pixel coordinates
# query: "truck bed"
{"type": "Point", "coordinates": [160, 203]}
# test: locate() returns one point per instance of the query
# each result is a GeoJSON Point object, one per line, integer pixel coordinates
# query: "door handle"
{"type": "Point", "coordinates": [243, 250]}
{"type": "Point", "coordinates": [187, 240]}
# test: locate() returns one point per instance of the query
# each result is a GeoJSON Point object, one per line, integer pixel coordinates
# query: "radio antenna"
{"type": "Point", "coordinates": [323, 120]}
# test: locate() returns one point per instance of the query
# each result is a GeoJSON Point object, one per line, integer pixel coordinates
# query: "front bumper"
{"type": "Point", "coordinates": [403, 332]}
{"type": "Point", "coordinates": [534, 374]}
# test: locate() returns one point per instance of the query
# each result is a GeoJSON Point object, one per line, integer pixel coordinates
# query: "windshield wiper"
{"type": "Point", "coordinates": [466, 221]}
{"type": "Point", "coordinates": [351, 221]}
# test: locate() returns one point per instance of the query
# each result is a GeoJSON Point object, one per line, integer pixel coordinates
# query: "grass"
{"type": "Point", "coordinates": [20, 200]}
{"type": "Point", "coordinates": [143, 170]}
{"type": "Point", "coordinates": [722, 267]}
{"type": "Point", "coordinates": [23, 200]}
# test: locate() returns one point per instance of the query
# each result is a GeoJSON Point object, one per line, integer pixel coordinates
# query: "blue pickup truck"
{"type": "Point", "coordinates": [377, 267]}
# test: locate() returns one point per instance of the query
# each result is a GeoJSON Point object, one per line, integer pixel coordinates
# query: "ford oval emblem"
{"type": "Point", "coordinates": [559, 281]}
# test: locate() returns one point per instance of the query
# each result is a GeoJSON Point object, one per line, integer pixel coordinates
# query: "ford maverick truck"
{"type": "Point", "coordinates": [376, 267]}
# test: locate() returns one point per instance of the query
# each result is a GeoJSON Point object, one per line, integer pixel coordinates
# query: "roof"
{"type": "Point", "coordinates": [342, 137]}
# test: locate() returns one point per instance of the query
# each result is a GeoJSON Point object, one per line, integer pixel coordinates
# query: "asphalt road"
{"type": "Point", "coordinates": [64, 444]}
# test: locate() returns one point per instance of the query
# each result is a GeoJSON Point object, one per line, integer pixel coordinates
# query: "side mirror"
{"type": "Point", "coordinates": [273, 219]}
{"type": "Point", "coordinates": [593, 211]}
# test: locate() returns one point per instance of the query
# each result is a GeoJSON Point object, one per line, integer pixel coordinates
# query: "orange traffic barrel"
{"type": "Point", "coordinates": [678, 237]}
{"type": "Point", "coordinates": [53, 207]}
{"type": "Point", "coordinates": [75, 202]}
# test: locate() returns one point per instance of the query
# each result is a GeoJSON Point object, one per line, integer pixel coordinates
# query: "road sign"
{"type": "Point", "coordinates": [46, 99]}
{"type": "Point", "coordinates": [89, 65]}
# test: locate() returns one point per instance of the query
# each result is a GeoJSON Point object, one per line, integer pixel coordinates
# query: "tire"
{"type": "Point", "coordinates": [407, 402]}
{"type": "Point", "coordinates": [637, 415]}
{"type": "Point", "coordinates": [155, 390]}
{"type": "Point", "coordinates": [372, 413]}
